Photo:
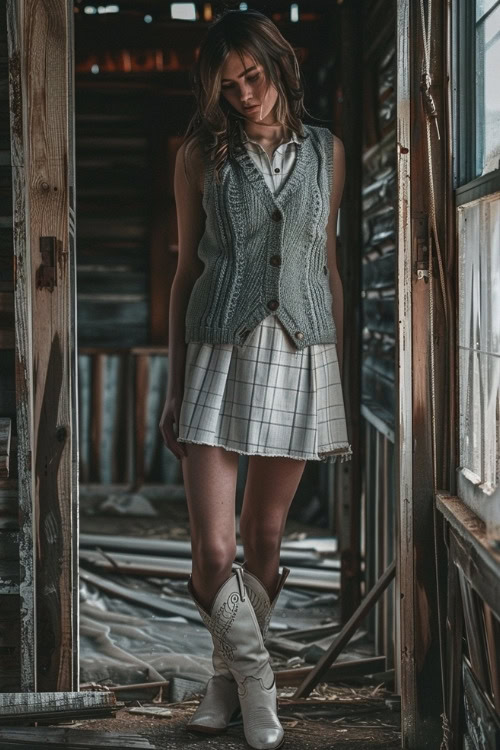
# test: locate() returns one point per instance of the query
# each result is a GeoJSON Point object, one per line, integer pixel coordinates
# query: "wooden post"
{"type": "Point", "coordinates": [348, 474]}
{"type": "Point", "coordinates": [420, 673]}
{"type": "Point", "coordinates": [41, 87]}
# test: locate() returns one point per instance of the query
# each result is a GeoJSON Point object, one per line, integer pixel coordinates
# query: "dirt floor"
{"type": "Point", "coordinates": [331, 718]}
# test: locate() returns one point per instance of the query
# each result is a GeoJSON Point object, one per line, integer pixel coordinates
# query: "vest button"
{"type": "Point", "coordinates": [276, 215]}
{"type": "Point", "coordinates": [275, 260]}
{"type": "Point", "coordinates": [273, 304]}
{"type": "Point", "coordinates": [325, 270]}
{"type": "Point", "coordinates": [299, 335]}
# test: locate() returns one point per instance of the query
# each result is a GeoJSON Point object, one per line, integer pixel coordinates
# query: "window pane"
{"type": "Point", "coordinates": [483, 6]}
{"type": "Point", "coordinates": [488, 93]}
{"type": "Point", "coordinates": [479, 341]}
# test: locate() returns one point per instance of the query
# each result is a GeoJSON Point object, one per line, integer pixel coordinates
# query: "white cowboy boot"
{"type": "Point", "coordinates": [220, 703]}
{"type": "Point", "coordinates": [236, 636]}
{"type": "Point", "coordinates": [263, 606]}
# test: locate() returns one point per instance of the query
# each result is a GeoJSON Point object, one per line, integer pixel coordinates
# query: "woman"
{"type": "Point", "coordinates": [254, 356]}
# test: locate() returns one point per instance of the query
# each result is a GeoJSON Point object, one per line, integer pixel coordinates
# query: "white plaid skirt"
{"type": "Point", "coordinates": [265, 397]}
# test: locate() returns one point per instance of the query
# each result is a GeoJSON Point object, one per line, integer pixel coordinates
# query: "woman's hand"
{"type": "Point", "coordinates": [169, 417]}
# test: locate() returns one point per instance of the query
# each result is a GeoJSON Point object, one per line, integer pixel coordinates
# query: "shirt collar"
{"type": "Point", "coordinates": [246, 139]}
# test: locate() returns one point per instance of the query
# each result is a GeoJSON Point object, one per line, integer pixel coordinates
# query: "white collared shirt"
{"type": "Point", "coordinates": [274, 171]}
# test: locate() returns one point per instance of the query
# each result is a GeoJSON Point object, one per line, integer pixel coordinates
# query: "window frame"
{"type": "Point", "coordinates": [467, 186]}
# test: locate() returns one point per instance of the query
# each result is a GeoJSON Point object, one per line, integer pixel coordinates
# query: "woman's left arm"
{"type": "Point", "coordinates": [335, 280]}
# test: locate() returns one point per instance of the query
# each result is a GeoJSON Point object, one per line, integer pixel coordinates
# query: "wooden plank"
{"type": "Point", "coordinates": [55, 706]}
{"type": "Point", "coordinates": [346, 633]}
{"type": "Point", "coordinates": [141, 391]}
{"type": "Point", "coordinates": [479, 561]}
{"type": "Point", "coordinates": [5, 431]}
{"type": "Point", "coordinates": [421, 688]}
{"type": "Point", "coordinates": [20, 704]}
{"type": "Point", "coordinates": [152, 601]}
{"type": "Point", "coordinates": [162, 263]}
{"type": "Point", "coordinates": [348, 478]}
{"type": "Point", "coordinates": [312, 578]}
{"type": "Point", "coordinates": [73, 347]}
{"type": "Point", "coordinates": [46, 34]}
{"type": "Point", "coordinates": [403, 426]}
{"type": "Point", "coordinates": [97, 386]}
{"type": "Point", "coordinates": [378, 540]}
{"type": "Point", "coordinates": [70, 739]}
{"type": "Point", "coordinates": [44, 330]}
{"type": "Point", "coordinates": [23, 344]}
{"type": "Point", "coordinates": [169, 548]}
{"type": "Point", "coordinates": [481, 577]}
{"type": "Point", "coordinates": [454, 653]}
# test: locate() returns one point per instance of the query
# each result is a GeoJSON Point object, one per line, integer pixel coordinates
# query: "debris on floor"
{"type": "Point", "coordinates": [141, 637]}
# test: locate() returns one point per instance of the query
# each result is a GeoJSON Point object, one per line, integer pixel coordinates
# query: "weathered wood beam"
{"type": "Point", "coordinates": [43, 199]}
{"type": "Point", "coordinates": [114, 562]}
{"type": "Point", "coordinates": [24, 706]}
{"type": "Point", "coordinates": [348, 475]}
{"type": "Point", "coordinates": [346, 633]}
{"type": "Point", "coordinates": [420, 672]}
{"type": "Point", "coordinates": [181, 548]}
{"type": "Point", "coordinates": [70, 739]}
{"type": "Point", "coordinates": [23, 339]}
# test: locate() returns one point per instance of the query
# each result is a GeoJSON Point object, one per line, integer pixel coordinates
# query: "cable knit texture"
{"type": "Point", "coordinates": [266, 254]}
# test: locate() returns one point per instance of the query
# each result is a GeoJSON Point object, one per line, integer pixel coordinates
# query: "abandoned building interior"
{"type": "Point", "coordinates": [387, 631]}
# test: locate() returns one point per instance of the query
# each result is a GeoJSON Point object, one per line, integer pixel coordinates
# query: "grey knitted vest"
{"type": "Point", "coordinates": [266, 254]}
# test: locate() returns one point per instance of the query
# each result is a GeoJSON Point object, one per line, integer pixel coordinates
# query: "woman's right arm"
{"type": "Point", "coordinates": [190, 228]}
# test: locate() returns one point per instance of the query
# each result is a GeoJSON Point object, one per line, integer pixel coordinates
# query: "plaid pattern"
{"type": "Point", "coordinates": [266, 397]}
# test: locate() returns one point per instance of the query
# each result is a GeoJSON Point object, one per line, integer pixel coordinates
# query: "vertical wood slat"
{"type": "Point", "coordinates": [390, 552]}
{"type": "Point", "coordinates": [405, 665]}
{"type": "Point", "coordinates": [23, 344]}
{"type": "Point", "coordinates": [41, 32]}
{"type": "Point", "coordinates": [142, 365]}
{"type": "Point", "coordinates": [379, 538]}
{"type": "Point", "coordinates": [73, 365]}
{"type": "Point", "coordinates": [454, 631]}
{"type": "Point", "coordinates": [421, 689]}
{"type": "Point", "coordinates": [98, 362]}
{"type": "Point", "coordinates": [348, 476]}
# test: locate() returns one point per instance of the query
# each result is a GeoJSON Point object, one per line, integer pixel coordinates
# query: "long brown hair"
{"type": "Point", "coordinates": [214, 125]}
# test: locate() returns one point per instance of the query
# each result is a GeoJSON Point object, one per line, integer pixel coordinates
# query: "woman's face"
{"type": "Point", "coordinates": [244, 85]}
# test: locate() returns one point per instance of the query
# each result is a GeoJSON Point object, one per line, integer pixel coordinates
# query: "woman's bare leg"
{"type": "Point", "coordinates": [269, 490]}
{"type": "Point", "coordinates": [210, 474]}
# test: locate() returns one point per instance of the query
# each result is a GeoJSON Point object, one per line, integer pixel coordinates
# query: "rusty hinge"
{"type": "Point", "coordinates": [46, 275]}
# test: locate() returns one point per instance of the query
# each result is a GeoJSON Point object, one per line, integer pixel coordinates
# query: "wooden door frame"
{"type": "Point", "coordinates": [41, 89]}
{"type": "Point", "coordinates": [418, 624]}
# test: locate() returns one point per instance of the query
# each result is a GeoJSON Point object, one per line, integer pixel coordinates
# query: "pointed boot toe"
{"type": "Point", "coordinates": [259, 708]}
